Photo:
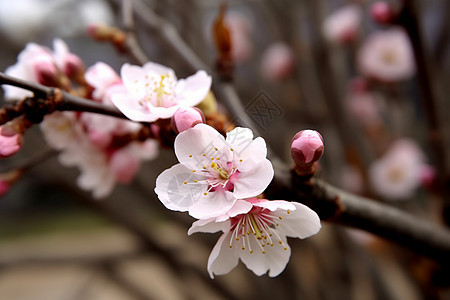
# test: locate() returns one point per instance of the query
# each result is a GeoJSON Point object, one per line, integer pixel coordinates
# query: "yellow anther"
{"type": "Point", "coordinates": [231, 149]}
{"type": "Point", "coordinates": [190, 155]}
{"type": "Point", "coordinates": [185, 182]}
{"type": "Point", "coordinates": [285, 248]}
{"type": "Point", "coordinates": [212, 158]}
{"type": "Point", "coordinates": [243, 248]}
{"type": "Point", "coordinates": [280, 242]}
{"type": "Point", "coordinates": [193, 171]}
{"type": "Point", "coordinates": [281, 218]}
{"type": "Point", "coordinates": [240, 160]}
{"type": "Point", "coordinates": [288, 211]}
{"type": "Point", "coordinates": [264, 252]}
{"type": "Point", "coordinates": [204, 167]}
{"type": "Point", "coordinates": [213, 165]}
{"type": "Point", "coordinates": [205, 193]}
{"type": "Point", "coordinates": [237, 239]}
{"type": "Point", "coordinates": [251, 251]}
{"type": "Point", "coordinates": [271, 244]}
{"type": "Point", "coordinates": [231, 246]}
{"type": "Point", "coordinates": [215, 149]}
{"type": "Point", "coordinates": [203, 154]}
{"type": "Point", "coordinates": [195, 180]}
{"type": "Point", "coordinates": [217, 158]}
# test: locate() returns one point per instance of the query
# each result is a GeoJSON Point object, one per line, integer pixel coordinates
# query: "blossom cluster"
{"type": "Point", "coordinates": [219, 180]}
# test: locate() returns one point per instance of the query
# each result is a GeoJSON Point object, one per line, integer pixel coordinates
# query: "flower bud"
{"type": "Point", "coordinates": [74, 66]}
{"type": "Point", "coordinates": [186, 117]}
{"type": "Point", "coordinates": [46, 71]}
{"type": "Point", "coordinates": [306, 148]}
{"type": "Point", "coordinates": [10, 144]}
{"type": "Point", "coordinates": [4, 187]}
{"type": "Point", "coordinates": [382, 12]}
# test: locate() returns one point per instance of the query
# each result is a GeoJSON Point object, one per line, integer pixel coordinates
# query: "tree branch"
{"type": "Point", "coordinates": [57, 100]}
{"type": "Point", "coordinates": [338, 206]}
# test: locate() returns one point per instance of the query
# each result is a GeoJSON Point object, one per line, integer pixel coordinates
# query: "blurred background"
{"type": "Point", "coordinates": [295, 68]}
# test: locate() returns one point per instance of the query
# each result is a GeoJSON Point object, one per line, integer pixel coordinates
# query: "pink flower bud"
{"type": "Point", "coordinates": [382, 12]}
{"type": "Point", "coordinates": [74, 66]}
{"type": "Point", "coordinates": [100, 139]}
{"type": "Point", "coordinates": [306, 147]}
{"type": "Point", "coordinates": [186, 117]}
{"type": "Point", "coordinates": [427, 175]}
{"type": "Point", "coordinates": [46, 71]}
{"type": "Point", "coordinates": [4, 187]}
{"type": "Point", "coordinates": [9, 144]}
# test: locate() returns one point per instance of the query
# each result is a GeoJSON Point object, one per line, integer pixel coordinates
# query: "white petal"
{"type": "Point", "coordinates": [209, 226]}
{"type": "Point", "coordinates": [239, 208]}
{"type": "Point", "coordinates": [239, 138]}
{"type": "Point", "coordinates": [133, 78]}
{"type": "Point", "coordinates": [274, 205]}
{"type": "Point", "coordinates": [222, 258]}
{"type": "Point", "coordinates": [300, 223]}
{"type": "Point", "coordinates": [172, 191]}
{"type": "Point", "coordinates": [255, 181]}
{"type": "Point", "coordinates": [213, 204]}
{"type": "Point", "coordinates": [274, 260]}
{"type": "Point", "coordinates": [190, 145]}
{"type": "Point", "coordinates": [158, 69]}
{"type": "Point", "coordinates": [192, 90]}
{"type": "Point", "coordinates": [251, 153]}
{"type": "Point", "coordinates": [131, 108]}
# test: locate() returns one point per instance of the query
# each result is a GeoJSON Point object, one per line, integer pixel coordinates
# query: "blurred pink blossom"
{"type": "Point", "coordinates": [366, 107]}
{"type": "Point", "coordinates": [277, 62]}
{"type": "Point", "coordinates": [387, 56]}
{"type": "Point", "coordinates": [397, 174]}
{"type": "Point", "coordinates": [343, 25]}
{"type": "Point", "coordinates": [40, 64]}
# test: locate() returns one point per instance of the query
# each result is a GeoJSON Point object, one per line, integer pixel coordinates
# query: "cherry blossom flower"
{"type": "Point", "coordinates": [255, 232]}
{"type": "Point", "coordinates": [387, 56]}
{"type": "Point", "coordinates": [40, 64]}
{"type": "Point", "coordinates": [398, 173]}
{"type": "Point", "coordinates": [213, 171]}
{"type": "Point", "coordinates": [86, 139]}
{"type": "Point", "coordinates": [343, 25]}
{"type": "Point", "coordinates": [153, 92]}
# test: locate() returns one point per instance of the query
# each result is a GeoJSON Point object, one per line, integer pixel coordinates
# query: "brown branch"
{"type": "Point", "coordinates": [56, 100]}
{"type": "Point", "coordinates": [409, 20]}
{"type": "Point", "coordinates": [338, 206]}
{"type": "Point", "coordinates": [131, 43]}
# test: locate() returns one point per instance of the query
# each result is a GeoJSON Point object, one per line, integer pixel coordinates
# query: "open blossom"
{"type": "Point", "coordinates": [344, 24]}
{"type": "Point", "coordinates": [255, 232]}
{"type": "Point", "coordinates": [213, 171]}
{"type": "Point", "coordinates": [40, 64]}
{"type": "Point", "coordinates": [398, 173]}
{"type": "Point", "coordinates": [387, 56]}
{"type": "Point", "coordinates": [153, 92]}
{"type": "Point", "coordinates": [86, 139]}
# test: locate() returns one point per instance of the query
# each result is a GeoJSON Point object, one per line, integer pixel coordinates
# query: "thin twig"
{"type": "Point", "coordinates": [132, 44]}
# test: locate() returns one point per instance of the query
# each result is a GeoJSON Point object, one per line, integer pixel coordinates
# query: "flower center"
{"type": "Point", "coordinates": [256, 227]}
{"type": "Point", "coordinates": [160, 90]}
{"type": "Point", "coordinates": [218, 170]}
